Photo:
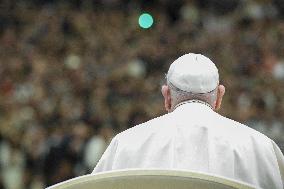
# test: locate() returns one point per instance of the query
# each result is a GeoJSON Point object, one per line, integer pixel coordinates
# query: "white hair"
{"type": "Point", "coordinates": [178, 95]}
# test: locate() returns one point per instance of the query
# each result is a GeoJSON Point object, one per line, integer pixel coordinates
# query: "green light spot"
{"type": "Point", "coordinates": [145, 20]}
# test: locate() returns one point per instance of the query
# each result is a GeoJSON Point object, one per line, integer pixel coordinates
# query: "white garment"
{"type": "Point", "coordinates": [194, 137]}
{"type": "Point", "coordinates": [94, 150]}
{"type": "Point", "coordinates": [12, 166]}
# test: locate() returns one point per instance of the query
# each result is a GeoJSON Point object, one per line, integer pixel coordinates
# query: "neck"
{"type": "Point", "coordinates": [192, 101]}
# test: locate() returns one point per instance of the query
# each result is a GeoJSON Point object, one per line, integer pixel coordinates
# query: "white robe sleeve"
{"type": "Point", "coordinates": [106, 161]}
{"type": "Point", "coordinates": [280, 160]}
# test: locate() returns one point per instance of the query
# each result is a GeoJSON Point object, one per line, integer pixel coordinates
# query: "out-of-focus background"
{"type": "Point", "coordinates": [74, 73]}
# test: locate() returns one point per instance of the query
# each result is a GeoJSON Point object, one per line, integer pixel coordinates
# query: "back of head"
{"type": "Point", "coordinates": [193, 76]}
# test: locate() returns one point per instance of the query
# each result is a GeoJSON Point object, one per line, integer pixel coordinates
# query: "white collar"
{"type": "Point", "coordinates": [193, 101]}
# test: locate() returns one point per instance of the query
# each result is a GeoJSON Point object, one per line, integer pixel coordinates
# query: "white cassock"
{"type": "Point", "coordinates": [194, 137]}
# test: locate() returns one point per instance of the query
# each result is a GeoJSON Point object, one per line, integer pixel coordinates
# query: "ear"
{"type": "Point", "coordinates": [220, 94]}
{"type": "Point", "coordinates": [167, 97]}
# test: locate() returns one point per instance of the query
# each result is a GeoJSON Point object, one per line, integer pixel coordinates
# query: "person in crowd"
{"type": "Point", "coordinates": [192, 136]}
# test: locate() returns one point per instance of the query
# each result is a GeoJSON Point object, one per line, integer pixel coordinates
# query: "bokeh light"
{"type": "Point", "coordinates": [145, 20]}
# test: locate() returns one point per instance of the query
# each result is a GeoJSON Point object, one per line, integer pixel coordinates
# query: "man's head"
{"type": "Point", "coordinates": [193, 77]}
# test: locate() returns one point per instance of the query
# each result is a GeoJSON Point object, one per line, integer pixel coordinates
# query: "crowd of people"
{"type": "Point", "coordinates": [75, 73]}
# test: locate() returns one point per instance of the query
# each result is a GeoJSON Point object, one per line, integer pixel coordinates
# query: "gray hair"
{"type": "Point", "coordinates": [178, 95]}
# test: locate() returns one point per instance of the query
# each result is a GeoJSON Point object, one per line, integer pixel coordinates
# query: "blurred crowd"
{"type": "Point", "coordinates": [74, 73]}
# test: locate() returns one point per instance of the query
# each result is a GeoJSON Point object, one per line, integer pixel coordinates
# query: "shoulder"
{"type": "Point", "coordinates": [144, 130]}
{"type": "Point", "coordinates": [243, 132]}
